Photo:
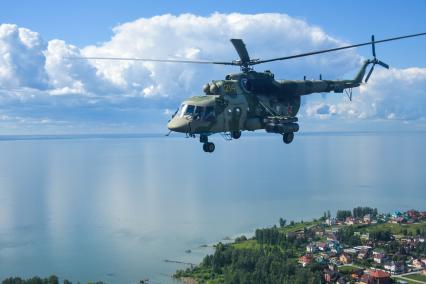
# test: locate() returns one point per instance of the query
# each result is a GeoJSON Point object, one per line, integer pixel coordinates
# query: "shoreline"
{"type": "Point", "coordinates": [319, 248]}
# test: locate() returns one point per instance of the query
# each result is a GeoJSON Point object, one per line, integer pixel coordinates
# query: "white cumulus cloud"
{"type": "Point", "coordinates": [21, 58]}
{"type": "Point", "coordinates": [207, 38]}
{"type": "Point", "coordinates": [71, 76]}
{"type": "Point", "coordinates": [395, 94]}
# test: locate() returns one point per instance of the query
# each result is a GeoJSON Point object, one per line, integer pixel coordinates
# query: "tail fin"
{"type": "Point", "coordinates": [360, 75]}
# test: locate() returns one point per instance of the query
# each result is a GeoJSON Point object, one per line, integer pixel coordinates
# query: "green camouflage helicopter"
{"type": "Point", "coordinates": [252, 100]}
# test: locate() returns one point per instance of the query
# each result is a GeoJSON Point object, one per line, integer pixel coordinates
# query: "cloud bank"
{"type": "Point", "coordinates": [395, 94]}
{"type": "Point", "coordinates": [43, 88]}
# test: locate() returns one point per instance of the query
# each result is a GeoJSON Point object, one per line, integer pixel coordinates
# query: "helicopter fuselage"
{"type": "Point", "coordinates": [250, 101]}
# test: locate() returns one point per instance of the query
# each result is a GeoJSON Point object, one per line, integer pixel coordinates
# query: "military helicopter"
{"type": "Point", "coordinates": [250, 100]}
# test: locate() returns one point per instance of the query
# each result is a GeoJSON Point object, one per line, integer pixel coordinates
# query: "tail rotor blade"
{"type": "Point", "coordinates": [369, 73]}
{"type": "Point", "coordinates": [383, 64]}
{"type": "Point", "coordinates": [373, 46]}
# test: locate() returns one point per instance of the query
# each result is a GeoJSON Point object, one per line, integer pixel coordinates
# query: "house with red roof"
{"type": "Point", "coordinates": [413, 214]}
{"type": "Point", "coordinates": [380, 277]}
{"type": "Point", "coordinates": [305, 259]}
{"type": "Point", "coordinates": [349, 221]}
{"type": "Point", "coordinates": [376, 277]}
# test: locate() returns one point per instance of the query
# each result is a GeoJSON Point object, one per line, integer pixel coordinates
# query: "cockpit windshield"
{"type": "Point", "coordinates": [186, 110]}
{"type": "Point", "coordinates": [181, 110]}
{"type": "Point", "coordinates": [196, 112]}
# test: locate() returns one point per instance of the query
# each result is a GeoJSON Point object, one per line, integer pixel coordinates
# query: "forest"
{"type": "Point", "coordinates": [269, 264]}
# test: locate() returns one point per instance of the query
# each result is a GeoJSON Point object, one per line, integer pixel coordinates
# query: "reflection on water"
{"type": "Point", "coordinates": [115, 209]}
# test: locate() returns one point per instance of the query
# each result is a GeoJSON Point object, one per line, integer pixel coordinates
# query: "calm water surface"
{"type": "Point", "coordinates": [115, 209]}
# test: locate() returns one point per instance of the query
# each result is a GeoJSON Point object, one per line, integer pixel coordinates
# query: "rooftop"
{"type": "Point", "coordinates": [379, 274]}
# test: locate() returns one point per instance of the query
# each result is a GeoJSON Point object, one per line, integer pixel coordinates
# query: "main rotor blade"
{"type": "Point", "coordinates": [335, 49]}
{"type": "Point", "coordinates": [241, 49]}
{"type": "Point", "coordinates": [242, 52]}
{"type": "Point", "coordinates": [154, 60]}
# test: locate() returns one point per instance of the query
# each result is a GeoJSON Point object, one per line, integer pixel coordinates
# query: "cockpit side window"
{"type": "Point", "coordinates": [209, 113]}
{"type": "Point", "coordinates": [198, 111]}
{"type": "Point", "coordinates": [189, 110]}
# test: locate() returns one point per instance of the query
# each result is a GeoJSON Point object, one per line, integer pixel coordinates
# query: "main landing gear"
{"type": "Point", "coordinates": [236, 134]}
{"type": "Point", "coordinates": [208, 147]}
{"type": "Point", "coordinates": [288, 137]}
{"type": "Point", "coordinates": [283, 125]}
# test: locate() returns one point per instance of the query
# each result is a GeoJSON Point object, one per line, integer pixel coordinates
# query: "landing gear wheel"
{"type": "Point", "coordinates": [208, 147]}
{"type": "Point", "coordinates": [236, 134]}
{"type": "Point", "coordinates": [211, 147]}
{"type": "Point", "coordinates": [288, 137]}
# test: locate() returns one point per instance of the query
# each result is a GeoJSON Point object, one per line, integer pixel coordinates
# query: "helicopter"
{"type": "Point", "coordinates": [251, 100]}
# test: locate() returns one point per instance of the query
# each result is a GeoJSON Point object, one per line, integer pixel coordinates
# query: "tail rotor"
{"type": "Point", "coordinates": [374, 61]}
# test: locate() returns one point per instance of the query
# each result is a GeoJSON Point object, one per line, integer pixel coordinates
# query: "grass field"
{"type": "Point", "coordinates": [395, 229]}
{"type": "Point", "coordinates": [404, 279]}
{"type": "Point", "coordinates": [249, 244]}
{"type": "Point", "coordinates": [347, 268]}
{"type": "Point", "coordinates": [253, 244]}
{"type": "Point", "coordinates": [418, 277]}
{"type": "Point", "coordinates": [298, 226]}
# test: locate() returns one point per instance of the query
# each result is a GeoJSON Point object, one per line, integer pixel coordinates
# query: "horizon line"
{"type": "Point", "coordinates": [64, 136]}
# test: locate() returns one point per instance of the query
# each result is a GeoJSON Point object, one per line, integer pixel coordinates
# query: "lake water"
{"type": "Point", "coordinates": [114, 209]}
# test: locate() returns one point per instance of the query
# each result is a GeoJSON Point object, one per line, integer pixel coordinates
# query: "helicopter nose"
{"type": "Point", "coordinates": [178, 125]}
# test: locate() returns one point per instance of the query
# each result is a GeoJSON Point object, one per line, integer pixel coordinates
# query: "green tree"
{"type": "Point", "coordinates": [282, 222]}
{"type": "Point", "coordinates": [341, 215]}
{"type": "Point", "coordinates": [53, 280]}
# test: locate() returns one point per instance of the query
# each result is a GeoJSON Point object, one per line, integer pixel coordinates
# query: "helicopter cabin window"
{"type": "Point", "coordinates": [209, 114]}
{"type": "Point", "coordinates": [198, 110]}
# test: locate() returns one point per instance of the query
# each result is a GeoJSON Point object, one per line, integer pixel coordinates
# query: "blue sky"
{"type": "Point", "coordinates": [87, 22]}
{"type": "Point", "coordinates": [90, 26]}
